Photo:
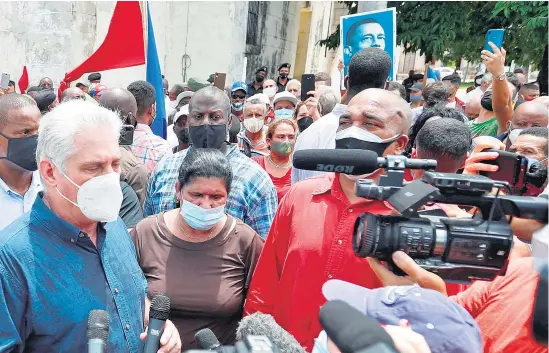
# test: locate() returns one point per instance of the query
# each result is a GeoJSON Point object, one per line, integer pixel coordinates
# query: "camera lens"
{"type": "Point", "coordinates": [365, 234]}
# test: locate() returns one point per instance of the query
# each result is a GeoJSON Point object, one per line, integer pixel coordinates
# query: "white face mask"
{"type": "Point", "coordinates": [253, 125]}
{"type": "Point", "coordinates": [270, 92]}
{"type": "Point", "coordinates": [99, 198]}
{"type": "Point", "coordinates": [514, 134]}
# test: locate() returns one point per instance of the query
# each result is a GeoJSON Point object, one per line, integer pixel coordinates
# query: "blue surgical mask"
{"type": "Point", "coordinates": [414, 99]}
{"type": "Point", "coordinates": [201, 218]}
{"type": "Point", "coordinates": [284, 113]}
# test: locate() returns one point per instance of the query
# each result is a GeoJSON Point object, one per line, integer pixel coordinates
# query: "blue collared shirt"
{"type": "Point", "coordinates": [13, 205]}
{"type": "Point", "coordinates": [252, 198]}
{"type": "Point", "coordinates": [52, 276]}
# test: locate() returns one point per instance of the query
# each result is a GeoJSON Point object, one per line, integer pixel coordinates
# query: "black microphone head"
{"type": "Point", "coordinates": [160, 307]}
{"type": "Point", "coordinates": [351, 330]}
{"type": "Point", "coordinates": [98, 325]}
{"type": "Point", "coordinates": [205, 339]}
{"type": "Point", "coordinates": [352, 161]}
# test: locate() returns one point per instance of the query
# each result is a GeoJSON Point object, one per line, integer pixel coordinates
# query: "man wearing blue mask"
{"type": "Point", "coordinates": [416, 97]}
{"type": "Point", "coordinates": [284, 104]}
{"type": "Point", "coordinates": [19, 180]}
{"type": "Point", "coordinates": [311, 233]}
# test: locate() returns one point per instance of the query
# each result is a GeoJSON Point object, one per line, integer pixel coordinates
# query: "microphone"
{"type": "Point", "coordinates": [352, 162]}
{"type": "Point", "coordinates": [259, 324]}
{"type": "Point", "coordinates": [205, 339]}
{"type": "Point", "coordinates": [158, 314]}
{"type": "Point", "coordinates": [352, 331]}
{"type": "Point", "coordinates": [98, 331]}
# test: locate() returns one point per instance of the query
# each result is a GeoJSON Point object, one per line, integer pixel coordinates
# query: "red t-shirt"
{"type": "Point", "coordinates": [308, 244]}
{"type": "Point", "coordinates": [503, 309]}
{"type": "Point", "coordinates": [282, 185]}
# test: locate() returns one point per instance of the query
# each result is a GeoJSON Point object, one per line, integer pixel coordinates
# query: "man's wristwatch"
{"type": "Point", "coordinates": [501, 76]}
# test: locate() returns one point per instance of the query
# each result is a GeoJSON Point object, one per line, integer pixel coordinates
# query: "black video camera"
{"type": "Point", "coordinates": [524, 177]}
{"type": "Point", "coordinates": [456, 249]}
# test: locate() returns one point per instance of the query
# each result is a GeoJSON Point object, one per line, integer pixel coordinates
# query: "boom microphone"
{"type": "Point", "coordinates": [259, 324]}
{"type": "Point", "coordinates": [352, 331]}
{"type": "Point", "coordinates": [352, 162]}
{"type": "Point", "coordinates": [98, 331]}
{"type": "Point", "coordinates": [158, 314]}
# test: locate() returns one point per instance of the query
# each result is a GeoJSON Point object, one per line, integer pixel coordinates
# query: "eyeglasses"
{"type": "Point", "coordinates": [239, 96]}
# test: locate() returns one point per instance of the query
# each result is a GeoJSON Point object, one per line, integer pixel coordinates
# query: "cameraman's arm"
{"type": "Point", "coordinates": [524, 228]}
{"type": "Point", "coordinates": [501, 97]}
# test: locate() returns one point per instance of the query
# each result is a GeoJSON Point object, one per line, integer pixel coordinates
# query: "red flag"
{"type": "Point", "coordinates": [24, 80]}
{"type": "Point", "coordinates": [123, 46]}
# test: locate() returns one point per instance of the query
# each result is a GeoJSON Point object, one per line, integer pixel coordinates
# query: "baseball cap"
{"type": "Point", "coordinates": [285, 96]}
{"type": "Point", "coordinates": [183, 111]}
{"type": "Point", "coordinates": [196, 84]}
{"type": "Point", "coordinates": [44, 99]}
{"type": "Point", "coordinates": [239, 85]}
{"type": "Point", "coordinates": [94, 76]}
{"type": "Point", "coordinates": [182, 95]}
{"type": "Point", "coordinates": [445, 325]}
{"type": "Point", "coordinates": [211, 78]}
{"type": "Point", "coordinates": [285, 65]}
{"type": "Point", "coordinates": [416, 87]}
{"type": "Point", "coordinates": [264, 69]}
{"type": "Point", "coordinates": [99, 89]}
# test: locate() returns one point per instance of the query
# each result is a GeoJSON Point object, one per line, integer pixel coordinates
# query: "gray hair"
{"type": "Point", "coordinates": [60, 126]}
{"type": "Point", "coordinates": [255, 101]}
{"type": "Point", "coordinates": [328, 100]}
{"type": "Point", "coordinates": [293, 82]}
{"type": "Point", "coordinates": [487, 78]}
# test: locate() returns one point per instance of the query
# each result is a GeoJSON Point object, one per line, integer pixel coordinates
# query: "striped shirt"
{"type": "Point", "coordinates": [148, 147]}
{"type": "Point", "coordinates": [252, 199]}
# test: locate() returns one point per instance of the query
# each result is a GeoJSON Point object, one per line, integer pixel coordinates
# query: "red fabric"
{"type": "Point", "coordinates": [123, 46]}
{"type": "Point", "coordinates": [308, 244]}
{"type": "Point", "coordinates": [503, 309]}
{"type": "Point", "coordinates": [282, 185]}
{"type": "Point", "coordinates": [24, 80]}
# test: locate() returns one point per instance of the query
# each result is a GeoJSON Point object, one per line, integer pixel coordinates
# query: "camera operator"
{"type": "Point", "coordinates": [310, 238]}
{"type": "Point", "coordinates": [503, 308]}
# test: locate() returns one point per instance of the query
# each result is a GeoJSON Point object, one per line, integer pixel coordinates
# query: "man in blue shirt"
{"type": "Point", "coordinates": [71, 253]}
{"type": "Point", "coordinates": [252, 198]}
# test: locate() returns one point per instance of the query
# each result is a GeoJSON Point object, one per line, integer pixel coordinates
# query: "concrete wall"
{"type": "Point", "coordinates": [48, 37]}
{"type": "Point", "coordinates": [277, 32]}
{"type": "Point", "coordinates": [54, 37]}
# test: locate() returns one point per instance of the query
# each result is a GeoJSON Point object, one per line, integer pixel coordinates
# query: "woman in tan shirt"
{"type": "Point", "coordinates": [200, 257]}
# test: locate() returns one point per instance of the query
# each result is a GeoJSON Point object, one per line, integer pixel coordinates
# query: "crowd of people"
{"type": "Point", "coordinates": [98, 212]}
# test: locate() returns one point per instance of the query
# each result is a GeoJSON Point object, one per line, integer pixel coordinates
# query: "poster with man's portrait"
{"type": "Point", "coordinates": [369, 29]}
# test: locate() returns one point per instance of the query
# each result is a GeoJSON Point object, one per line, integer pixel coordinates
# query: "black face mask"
{"type": "Point", "coordinates": [208, 136]}
{"type": "Point", "coordinates": [22, 152]}
{"type": "Point", "coordinates": [304, 123]}
{"type": "Point", "coordinates": [283, 75]}
{"type": "Point", "coordinates": [259, 78]}
{"type": "Point", "coordinates": [183, 135]}
{"type": "Point", "coordinates": [486, 101]}
{"type": "Point", "coordinates": [354, 143]}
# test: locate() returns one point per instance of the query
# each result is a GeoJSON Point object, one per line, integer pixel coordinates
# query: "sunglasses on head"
{"type": "Point", "coordinates": [241, 96]}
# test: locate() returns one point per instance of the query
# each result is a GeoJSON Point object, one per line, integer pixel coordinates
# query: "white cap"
{"type": "Point", "coordinates": [261, 96]}
{"type": "Point", "coordinates": [285, 96]}
{"type": "Point", "coordinates": [183, 111]}
{"type": "Point", "coordinates": [182, 95]}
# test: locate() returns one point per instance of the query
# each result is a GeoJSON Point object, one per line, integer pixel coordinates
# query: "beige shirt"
{"type": "Point", "coordinates": [207, 282]}
{"type": "Point", "coordinates": [133, 172]}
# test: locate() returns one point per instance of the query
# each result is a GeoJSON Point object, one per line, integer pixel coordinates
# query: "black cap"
{"type": "Point", "coordinates": [285, 65]}
{"type": "Point", "coordinates": [44, 98]}
{"type": "Point", "coordinates": [264, 69]}
{"type": "Point", "coordinates": [94, 76]}
{"type": "Point", "coordinates": [211, 79]}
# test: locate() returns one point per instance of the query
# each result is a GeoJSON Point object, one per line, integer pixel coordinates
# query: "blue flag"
{"type": "Point", "coordinates": [432, 74]}
{"type": "Point", "coordinates": [154, 77]}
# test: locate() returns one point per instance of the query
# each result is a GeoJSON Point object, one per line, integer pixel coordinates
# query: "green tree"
{"type": "Point", "coordinates": [457, 29]}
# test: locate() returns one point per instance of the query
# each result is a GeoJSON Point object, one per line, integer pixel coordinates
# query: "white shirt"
{"type": "Point", "coordinates": [320, 135]}
{"type": "Point", "coordinates": [171, 136]}
{"type": "Point", "coordinates": [13, 205]}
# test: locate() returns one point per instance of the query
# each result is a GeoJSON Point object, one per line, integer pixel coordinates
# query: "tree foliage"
{"type": "Point", "coordinates": [457, 29]}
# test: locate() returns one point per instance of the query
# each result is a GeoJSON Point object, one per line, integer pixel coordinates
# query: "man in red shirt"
{"type": "Point", "coordinates": [310, 237]}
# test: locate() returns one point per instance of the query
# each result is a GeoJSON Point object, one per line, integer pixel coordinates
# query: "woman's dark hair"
{"type": "Point", "coordinates": [205, 163]}
{"type": "Point", "coordinates": [423, 118]}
